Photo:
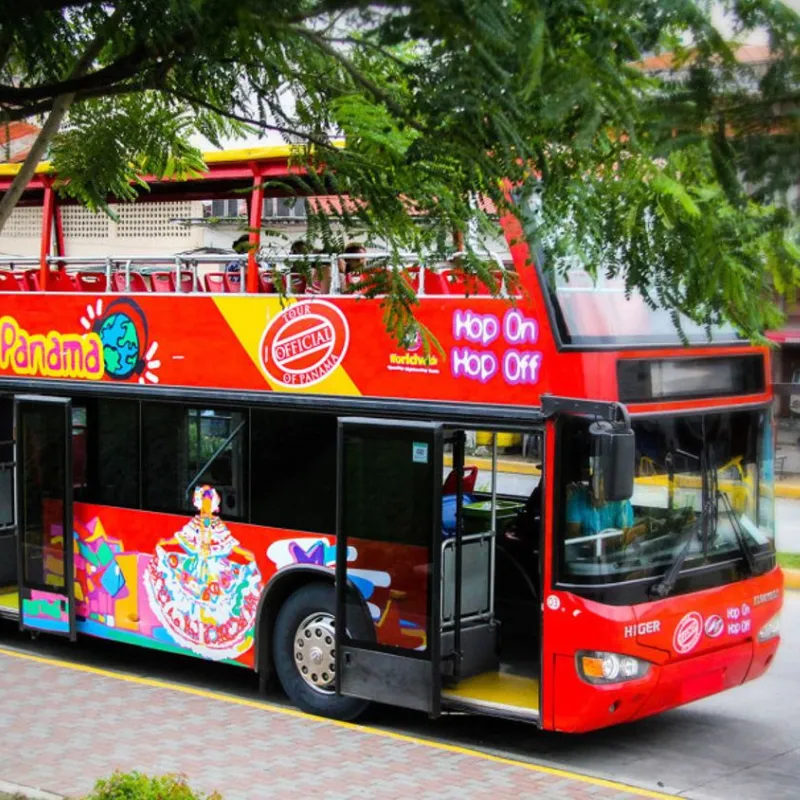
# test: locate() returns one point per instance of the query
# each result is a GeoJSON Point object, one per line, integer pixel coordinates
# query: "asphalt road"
{"type": "Point", "coordinates": [740, 745]}
{"type": "Point", "coordinates": [787, 518]}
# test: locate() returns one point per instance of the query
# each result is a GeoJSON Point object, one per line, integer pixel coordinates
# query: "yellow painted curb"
{"type": "Point", "coordinates": [787, 490]}
{"type": "Point", "coordinates": [291, 712]}
{"type": "Point", "coordinates": [791, 579]}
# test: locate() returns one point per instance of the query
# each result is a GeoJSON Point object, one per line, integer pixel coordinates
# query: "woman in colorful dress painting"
{"type": "Point", "coordinates": [203, 587]}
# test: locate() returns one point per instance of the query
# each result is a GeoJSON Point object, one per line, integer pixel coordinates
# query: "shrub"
{"type": "Point", "coordinates": [135, 786]}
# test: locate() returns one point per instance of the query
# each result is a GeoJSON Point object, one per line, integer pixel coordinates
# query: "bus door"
{"type": "Point", "coordinates": [8, 533]}
{"type": "Point", "coordinates": [388, 562]}
{"type": "Point", "coordinates": [43, 427]}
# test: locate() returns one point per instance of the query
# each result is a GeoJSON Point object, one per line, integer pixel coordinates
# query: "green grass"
{"type": "Point", "coordinates": [789, 560]}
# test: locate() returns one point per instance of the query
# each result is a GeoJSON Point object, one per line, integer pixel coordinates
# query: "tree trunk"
{"type": "Point", "coordinates": [60, 106]}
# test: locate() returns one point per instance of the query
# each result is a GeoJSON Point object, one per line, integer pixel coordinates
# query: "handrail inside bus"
{"type": "Point", "coordinates": [270, 266]}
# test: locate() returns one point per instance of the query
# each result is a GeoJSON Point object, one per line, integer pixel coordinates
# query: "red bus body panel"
{"type": "Point", "coordinates": [491, 351]}
{"type": "Point", "coordinates": [697, 644]}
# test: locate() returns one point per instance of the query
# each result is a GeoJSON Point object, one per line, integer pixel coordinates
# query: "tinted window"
{"type": "Point", "coordinates": [164, 457]}
{"type": "Point", "coordinates": [184, 447]}
{"type": "Point", "coordinates": [293, 471]}
{"type": "Point", "coordinates": [216, 440]}
{"type": "Point", "coordinates": [114, 428]}
{"type": "Point", "coordinates": [388, 493]}
{"type": "Point", "coordinates": [42, 451]}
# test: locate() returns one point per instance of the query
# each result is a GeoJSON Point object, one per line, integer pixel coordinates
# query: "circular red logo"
{"type": "Point", "coordinates": [714, 626]}
{"type": "Point", "coordinates": [304, 343]}
{"type": "Point", "coordinates": [687, 633]}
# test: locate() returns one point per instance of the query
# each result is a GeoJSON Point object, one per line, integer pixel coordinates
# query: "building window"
{"type": "Point", "coordinates": [225, 209]}
{"type": "Point", "coordinates": [285, 208]}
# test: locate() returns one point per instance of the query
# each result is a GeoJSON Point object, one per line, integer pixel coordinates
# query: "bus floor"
{"type": "Point", "coordinates": [512, 690]}
{"type": "Point", "coordinates": [9, 601]}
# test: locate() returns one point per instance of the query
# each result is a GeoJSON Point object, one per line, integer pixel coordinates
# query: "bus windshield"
{"type": "Point", "coordinates": [640, 539]}
{"type": "Point", "coordinates": [602, 312]}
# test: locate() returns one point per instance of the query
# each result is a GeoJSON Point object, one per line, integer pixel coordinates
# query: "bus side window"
{"type": "Point", "coordinates": [106, 452]}
{"type": "Point", "coordinates": [164, 457]}
{"type": "Point", "coordinates": [293, 471]}
{"type": "Point", "coordinates": [216, 443]}
{"type": "Point", "coordinates": [186, 447]}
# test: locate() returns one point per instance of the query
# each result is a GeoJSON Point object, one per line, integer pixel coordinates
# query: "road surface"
{"type": "Point", "coordinates": [740, 745]}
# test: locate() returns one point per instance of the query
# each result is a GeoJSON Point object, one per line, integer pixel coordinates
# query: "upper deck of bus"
{"type": "Point", "coordinates": [177, 321]}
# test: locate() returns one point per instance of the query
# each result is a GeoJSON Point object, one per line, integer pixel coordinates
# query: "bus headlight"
{"type": "Point", "coordinates": [599, 667]}
{"type": "Point", "coordinates": [771, 629]}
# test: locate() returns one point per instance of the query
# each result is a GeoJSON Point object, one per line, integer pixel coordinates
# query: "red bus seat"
{"type": "Point", "coordinates": [26, 279]}
{"type": "Point", "coordinates": [161, 281]}
{"type": "Point", "coordinates": [90, 282]}
{"type": "Point", "coordinates": [57, 281]}
{"type": "Point", "coordinates": [265, 283]}
{"type": "Point", "coordinates": [137, 284]}
{"type": "Point", "coordinates": [459, 283]}
{"type": "Point", "coordinates": [12, 282]}
{"type": "Point", "coordinates": [233, 282]}
{"type": "Point", "coordinates": [215, 282]}
{"type": "Point", "coordinates": [468, 484]}
{"type": "Point", "coordinates": [433, 282]}
{"type": "Point", "coordinates": [186, 283]}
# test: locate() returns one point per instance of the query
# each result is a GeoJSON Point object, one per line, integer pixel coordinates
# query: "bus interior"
{"type": "Point", "coordinates": [502, 528]}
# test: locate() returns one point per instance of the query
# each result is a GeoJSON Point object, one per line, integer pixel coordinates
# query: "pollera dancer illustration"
{"type": "Point", "coordinates": [203, 587]}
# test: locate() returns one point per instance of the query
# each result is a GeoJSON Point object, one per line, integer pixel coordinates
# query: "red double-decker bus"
{"type": "Point", "coordinates": [564, 515]}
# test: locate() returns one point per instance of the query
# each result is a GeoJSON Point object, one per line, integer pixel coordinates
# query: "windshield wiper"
{"type": "Point", "coordinates": [661, 589]}
{"type": "Point", "coordinates": [737, 530]}
{"type": "Point", "coordinates": [700, 526]}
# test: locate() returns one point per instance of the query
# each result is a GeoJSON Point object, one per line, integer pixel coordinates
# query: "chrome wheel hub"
{"type": "Point", "coordinates": [315, 653]}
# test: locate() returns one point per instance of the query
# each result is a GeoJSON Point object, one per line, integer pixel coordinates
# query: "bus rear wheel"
{"type": "Point", "coordinates": [303, 647]}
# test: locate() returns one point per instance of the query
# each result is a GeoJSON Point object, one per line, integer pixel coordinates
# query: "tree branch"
{"type": "Point", "coordinates": [379, 94]}
{"type": "Point", "coordinates": [372, 46]}
{"type": "Point", "coordinates": [60, 107]}
{"type": "Point", "coordinates": [44, 106]}
{"type": "Point", "coordinates": [197, 101]}
{"type": "Point", "coordinates": [122, 69]}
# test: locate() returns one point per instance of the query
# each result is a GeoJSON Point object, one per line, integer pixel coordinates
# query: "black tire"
{"type": "Point", "coordinates": [311, 599]}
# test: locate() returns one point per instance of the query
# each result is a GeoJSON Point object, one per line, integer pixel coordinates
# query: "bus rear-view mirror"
{"type": "Point", "coordinates": [613, 458]}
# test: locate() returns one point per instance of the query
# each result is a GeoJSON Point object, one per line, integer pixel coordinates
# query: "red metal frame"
{"type": "Point", "coordinates": [48, 215]}
{"type": "Point", "coordinates": [256, 206]}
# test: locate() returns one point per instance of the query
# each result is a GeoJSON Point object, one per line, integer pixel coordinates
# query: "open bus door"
{"type": "Point", "coordinates": [414, 601]}
{"type": "Point", "coordinates": [388, 632]}
{"type": "Point", "coordinates": [43, 428]}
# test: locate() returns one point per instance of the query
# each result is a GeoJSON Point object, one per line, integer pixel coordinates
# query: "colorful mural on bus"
{"type": "Point", "coordinates": [194, 585]}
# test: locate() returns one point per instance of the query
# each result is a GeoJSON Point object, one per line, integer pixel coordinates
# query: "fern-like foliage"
{"type": "Point", "coordinates": [670, 180]}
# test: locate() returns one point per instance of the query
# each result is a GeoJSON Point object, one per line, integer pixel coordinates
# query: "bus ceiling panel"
{"type": "Point", "coordinates": [506, 418]}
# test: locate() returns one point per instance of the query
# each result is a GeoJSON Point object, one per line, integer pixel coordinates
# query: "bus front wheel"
{"type": "Point", "coordinates": [304, 652]}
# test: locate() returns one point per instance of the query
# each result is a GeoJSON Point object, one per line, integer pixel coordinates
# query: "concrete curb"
{"type": "Point", "coordinates": [791, 579]}
{"type": "Point", "coordinates": [28, 791]}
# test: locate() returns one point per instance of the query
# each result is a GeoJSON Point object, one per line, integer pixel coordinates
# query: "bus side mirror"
{"type": "Point", "coordinates": [613, 459]}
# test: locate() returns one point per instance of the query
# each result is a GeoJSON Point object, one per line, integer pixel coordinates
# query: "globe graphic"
{"type": "Point", "coordinates": [120, 345]}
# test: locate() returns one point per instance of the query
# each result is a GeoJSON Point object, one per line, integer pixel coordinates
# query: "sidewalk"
{"type": "Point", "coordinates": [66, 725]}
